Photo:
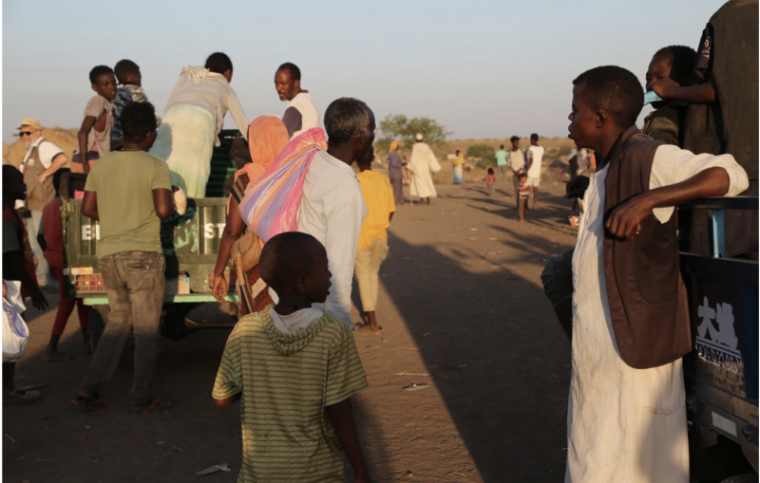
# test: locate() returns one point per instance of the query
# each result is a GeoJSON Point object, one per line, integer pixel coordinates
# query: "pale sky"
{"type": "Point", "coordinates": [480, 68]}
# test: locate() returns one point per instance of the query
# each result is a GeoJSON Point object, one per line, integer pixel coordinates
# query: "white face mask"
{"type": "Point", "coordinates": [651, 97]}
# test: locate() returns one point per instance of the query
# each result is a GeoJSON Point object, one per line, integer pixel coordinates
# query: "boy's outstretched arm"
{"type": "Point", "coordinates": [84, 130]}
{"type": "Point", "coordinates": [342, 419]}
{"type": "Point", "coordinates": [697, 94]}
{"type": "Point", "coordinates": [624, 220]}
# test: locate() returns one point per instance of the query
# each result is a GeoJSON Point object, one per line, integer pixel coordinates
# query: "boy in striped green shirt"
{"type": "Point", "coordinates": [295, 369]}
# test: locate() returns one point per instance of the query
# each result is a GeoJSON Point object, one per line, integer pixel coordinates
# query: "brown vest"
{"type": "Point", "coordinates": [646, 296]}
{"type": "Point", "coordinates": [38, 195]}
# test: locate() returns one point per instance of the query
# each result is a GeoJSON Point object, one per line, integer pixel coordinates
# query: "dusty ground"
{"type": "Point", "coordinates": [465, 319]}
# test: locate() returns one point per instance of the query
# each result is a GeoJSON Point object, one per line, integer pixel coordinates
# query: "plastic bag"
{"type": "Point", "coordinates": [15, 330]}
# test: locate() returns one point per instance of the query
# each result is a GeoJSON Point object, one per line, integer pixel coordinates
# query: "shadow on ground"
{"type": "Point", "coordinates": [492, 346]}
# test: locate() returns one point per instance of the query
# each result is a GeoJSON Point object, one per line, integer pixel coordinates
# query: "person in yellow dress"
{"type": "Point", "coordinates": [373, 238]}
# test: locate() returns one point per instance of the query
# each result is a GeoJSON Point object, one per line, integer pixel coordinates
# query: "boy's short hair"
{"type": "Point", "coordinates": [124, 68]}
{"type": "Point", "coordinates": [286, 257]}
{"type": "Point", "coordinates": [57, 177]}
{"type": "Point", "coordinates": [345, 117]}
{"type": "Point", "coordinates": [615, 89]}
{"type": "Point", "coordinates": [514, 138]}
{"type": "Point", "coordinates": [295, 72]}
{"type": "Point", "coordinates": [682, 59]}
{"type": "Point", "coordinates": [534, 137]}
{"type": "Point", "coordinates": [218, 62]}
{"type": "Point", "coordinates": [138, 119]}
{"type": "Point", "coordinates": [98, 71]}
{"type": "Point", "coordinates": [501, 146]}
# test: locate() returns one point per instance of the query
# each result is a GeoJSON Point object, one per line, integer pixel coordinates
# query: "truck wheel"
{"type": "Point", "coordinates": [173, 321]}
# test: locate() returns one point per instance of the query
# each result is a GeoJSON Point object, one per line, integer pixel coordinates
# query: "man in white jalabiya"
{"type": "Point", "coordinates": [421, 164]}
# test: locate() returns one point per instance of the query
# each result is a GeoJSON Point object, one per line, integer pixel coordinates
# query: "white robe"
{"type": "Point", "coordinates": [421, 163]}
{"type": "Point", "coordinates": [625, 425]}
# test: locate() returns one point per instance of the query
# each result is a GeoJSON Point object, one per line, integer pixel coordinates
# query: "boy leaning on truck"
{"type": "Point", "coordinates": [630, 326]}
{"type": "Point", "coordinates": [128, 192]}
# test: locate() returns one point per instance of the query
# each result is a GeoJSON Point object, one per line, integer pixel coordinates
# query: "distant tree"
{"type": "Point", "coordinates": [398, 126]}
{"type": "Point", "coordinates": [484, 153]}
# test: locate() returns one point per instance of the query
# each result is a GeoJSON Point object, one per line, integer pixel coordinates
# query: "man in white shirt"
{"type": "Point", "coordinates": [42, 159]}
{"type": "Point", "coordinates": [301, 114]}
{"type": "Point", "coordinates": [534, 156]}
{"type": "Point", "coordinates": [332, 208]}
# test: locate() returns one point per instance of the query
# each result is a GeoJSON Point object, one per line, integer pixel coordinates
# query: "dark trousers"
{"type": "Point", "coordinates": [398, 189]}
{"type": "Point", "coordinates": [135, 286]}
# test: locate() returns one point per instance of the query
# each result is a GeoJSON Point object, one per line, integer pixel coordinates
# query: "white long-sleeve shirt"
{"type": "Point", "coordinates": [200, 87]}
{"type": "Point", "coordinates": [332, 210]}
{"type": "Point", "coordinates": [673, 165]}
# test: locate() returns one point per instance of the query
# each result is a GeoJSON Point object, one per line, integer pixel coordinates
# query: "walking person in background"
{"type": "Point", "coordinates": [129, 256]}
{"type": "Point", "coordinates": [42, 160]}
{"type": "Point", "coordinates": [458, 167]}
{"type": "Point", "coordinates": [517, 166]}
{"type": "Point", "coordinates": [534, 158]}
{"type": "Point", "coordinates": [193, 117]}
{"type": "Point", "coordinates": [501, 161]}
{"type": "Point", "coordinates": [296, 368]}
{"type": "Point", "coordinates": [490, 181]}
{"type": "Point", "coordinates": [396, 171]}
{"type": "Point", "coordinates": [18, 265]}
{"type": "Point", "coordinates": [51, 241]}
{"type": "Point", "coordinates": [373, 239]}
{"type": "Point", "coordinates": [94, 137]}
{"type": "Point", "coordinates": [130, 90]}
{"type": "Point", "coordinates": [422, 163]}
{"type": "Point", "coordinates": [301, 114]}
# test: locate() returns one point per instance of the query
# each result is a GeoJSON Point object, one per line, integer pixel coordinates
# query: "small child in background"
{"type": "Point", "coordinates": [94, 138]}
{"type": "Point", "coordinates": [296, 369]}
{"type": "Point", "coordinates": [524, 193]}
{"type": "Point", "coordinates": [130, 90]}
{"type": "Point", "coordinates": [676, 63]}
{"type": "Point", "coordinates": [490, 181]}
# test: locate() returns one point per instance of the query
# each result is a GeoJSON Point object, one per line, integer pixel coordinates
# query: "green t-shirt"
{"type": "Point", "coordinates": [124, 182]}
{"type": "Point", "coordinates": [286, 381]}
{"type": "Point", "coordinates": [501, 157]}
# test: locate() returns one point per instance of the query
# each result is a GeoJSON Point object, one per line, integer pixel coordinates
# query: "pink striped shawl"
{"type": "Point", "coordinates": [270, 206]}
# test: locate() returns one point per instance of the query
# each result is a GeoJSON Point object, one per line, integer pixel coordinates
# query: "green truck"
{"type": "Point", "coordinates": [190, 242]}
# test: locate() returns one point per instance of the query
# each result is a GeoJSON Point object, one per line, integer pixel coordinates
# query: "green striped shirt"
{"type": "Point", "coordinates": [286, 381]}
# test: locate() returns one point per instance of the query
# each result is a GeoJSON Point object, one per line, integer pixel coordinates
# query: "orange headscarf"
{"type": "Point", "coordinates": [267, 136]}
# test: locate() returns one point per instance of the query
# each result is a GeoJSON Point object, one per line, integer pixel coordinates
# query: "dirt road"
{"type": "Point", "coordinates": [465, 320]}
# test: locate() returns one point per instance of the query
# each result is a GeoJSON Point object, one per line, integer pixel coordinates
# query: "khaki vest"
{"type": "Point", "coordinates": [38, 195]}
{"type": "Point", "coordinates": [645, 292]}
